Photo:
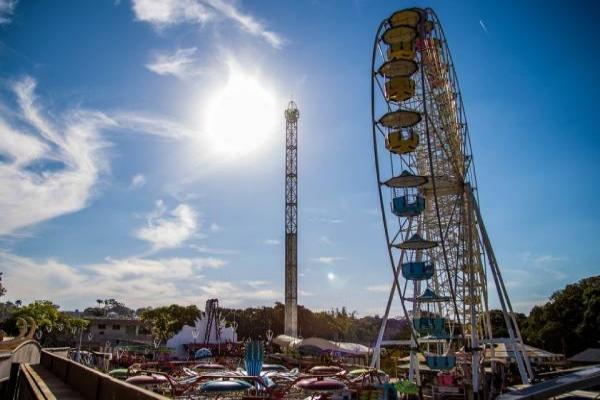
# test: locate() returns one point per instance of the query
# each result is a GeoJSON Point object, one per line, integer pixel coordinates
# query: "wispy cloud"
{"type": "Point", "coordinates": [141, 122]}
{"type": "Point", "coordinates": [137, 181]}
{"type": "Point", "coordinates": [163, 13]}
{"type": "Point", "coordinates": [210, 250]}
{"type": "Point", "coordinates": [256, 284]}
{"type": "Point", "coordinates": [548, 263]}
{"type": "Point", "coordinates": [7, 8]}
{"type": "Point", "coordinates": [326, 240]}
{"type": "Point", "coordinates": [272, 242]}
{"type": "Point", "coordinates": [532, 276]}
{"type": "Point", "coordinates": [137, 281]}
{"type": "Point", "coordinates": [378, 288]}
{"type": "Point", "coordinates": [327, 220]}
{"type": "Point", "coordinates": [233, 293]}
{"type": "Point", "coordinates": [52, 165]}
{"type": "Point", "coordinates": [169, 229]}
{"type": "Point", "coordinates": [182, 64]}
{"type": "Point", "coordinates": [483, 26]}
{"type": "Point", "coordinates": [246, 22]}
{"type": "Point", "coordinates": [329, 260]}
{"type": "Point", "coordinates": [51, 161]}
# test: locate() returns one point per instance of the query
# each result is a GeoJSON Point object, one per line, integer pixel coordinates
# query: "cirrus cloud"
{"type": "Point", "coordinates": [164, 13]}
{"type": "Point", "coordinates": [328, 260]}
{"type": "Point", "coordinates": [7, 8]}
{"type": "Point", "coordinates": [50, 166]}
{"type": "Point", "coordinates": [51, 161]}
{"type": "Point", "coordinates": [182, 64]}
{"type": "Point", "coordinates": [169, 229]}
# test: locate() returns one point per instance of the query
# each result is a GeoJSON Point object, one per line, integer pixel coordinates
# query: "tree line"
{"type": "Point", "coordinates": [568, 323]}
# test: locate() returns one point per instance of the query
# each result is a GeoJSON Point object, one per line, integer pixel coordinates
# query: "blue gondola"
{"type": "Point", "coordinates": [432, 326]}
{"type": "Point", "coordinates": [417, 270]}
{"type": "Point", "coordinates": [408, 206]}
{"type": "Point", "coordinates": [440, 362]}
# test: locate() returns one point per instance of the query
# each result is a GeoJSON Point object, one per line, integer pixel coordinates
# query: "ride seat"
{"type": "Point", "coordinates": [401, 50]}
{"type": "Point", "coordinates": [408, 206]}
{"type": "Point", "coordinates": [434, 326]}
{"type": "Point", "coordinates": [417, 270]}
{"type": "Point", "coordinates": [399, 88]}
{"type": "Point", "coordinates": [398, 144]}
{"type": "Point", "coordinates": [440, 362]}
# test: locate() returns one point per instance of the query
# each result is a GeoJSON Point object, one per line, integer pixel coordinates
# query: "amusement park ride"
{"type": "Point", "coordinates": [439, 250]}
{"type": "Point", "coordinates": [291, 219]}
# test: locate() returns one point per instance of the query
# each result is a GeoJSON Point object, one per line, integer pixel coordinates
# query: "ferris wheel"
{"type": "Point", "coordinates": [439, 250]}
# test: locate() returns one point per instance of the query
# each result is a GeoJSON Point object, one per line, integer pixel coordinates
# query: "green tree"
{"type": "Point", "coordinates": [499, 324]}
{"type": "Point", "coordinates": [44, 313]}
{"type": "Point", "coordinates": [109, 306]}
{"type": "Point", "coordinates": [570, 321]}
{"type": "Point", "coordinates": [334, 325]}
{"type": "Point", "coordinates": [164, 322]}
{"type": "Point", "coordinates": [55, 325]}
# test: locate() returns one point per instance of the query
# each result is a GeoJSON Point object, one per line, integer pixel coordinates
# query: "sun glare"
{"type": "Point", "coordinates": [241, 116]}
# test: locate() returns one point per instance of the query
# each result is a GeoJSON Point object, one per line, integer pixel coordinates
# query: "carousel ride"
{"type": "Point", "coordinates": [204, 378]}
{"type": "Point", "coordinates": [440, 253]}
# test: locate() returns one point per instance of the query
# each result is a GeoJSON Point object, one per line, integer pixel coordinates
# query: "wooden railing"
{"type": "Point", "coordinates": [36, 382]}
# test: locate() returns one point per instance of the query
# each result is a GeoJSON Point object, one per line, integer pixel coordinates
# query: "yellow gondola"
{"type": "Point", "coordinates": [398, 144]}
{"type": "Point", "coordinates": [405, 17]}
{"type": "Point", "coordinates": [399, 88]}
{"type": "Point", "coordinates": [400, 50]}
{"type": "Point", "coordinates": [399, 34]}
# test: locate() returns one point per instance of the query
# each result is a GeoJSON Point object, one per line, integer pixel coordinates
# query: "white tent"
{"type": "Point", "coordinates": [322, 344]}
{"type": "Point", "coordinates": [197, 333]}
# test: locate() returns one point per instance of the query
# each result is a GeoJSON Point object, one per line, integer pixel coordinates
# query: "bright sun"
{"type": "Point", "coordinates": [241, 116]}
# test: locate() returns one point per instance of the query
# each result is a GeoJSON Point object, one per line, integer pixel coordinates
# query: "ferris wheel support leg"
{"type": "Point", "coordinates": [376, 359]}
{"type": "Point", "coordinates": [413, 372]}
{"type": "Point", "coordinates": [516, 343]}
{"type": "Point", "coordinates": [475, 351]}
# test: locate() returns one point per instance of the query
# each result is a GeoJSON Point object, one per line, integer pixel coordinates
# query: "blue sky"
{"type": "Point", "coordinates": [116, 179]}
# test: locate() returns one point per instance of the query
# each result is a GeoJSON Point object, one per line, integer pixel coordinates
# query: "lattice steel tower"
{"type": "Point", "coordinates": [291, 219]}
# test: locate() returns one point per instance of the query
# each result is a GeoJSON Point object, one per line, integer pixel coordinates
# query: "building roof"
{"type": "Point", "coordinates": [114, 320]}
{"type": "Point", "coordinates": [535, 355]}
{"type": "Point", "coordinates": [590, 355]}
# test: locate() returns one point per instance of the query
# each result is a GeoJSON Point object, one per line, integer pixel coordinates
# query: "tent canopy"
{"type": "Point", "coordinates": [321, 344]}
